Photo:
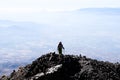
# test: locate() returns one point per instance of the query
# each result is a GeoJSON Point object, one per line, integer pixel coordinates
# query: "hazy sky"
{"type": "Point", "coordinates": [17, 8]}
{"type": "Point", "coordinates": [53, 5]}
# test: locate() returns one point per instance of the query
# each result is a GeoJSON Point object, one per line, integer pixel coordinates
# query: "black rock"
{"type": "Point", "coordinates": [66, 67]}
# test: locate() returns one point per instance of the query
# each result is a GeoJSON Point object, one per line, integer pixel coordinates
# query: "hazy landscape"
{"type": "Point", "coordinates": [93, 32]}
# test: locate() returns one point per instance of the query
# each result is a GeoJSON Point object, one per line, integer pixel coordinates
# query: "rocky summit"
{"type": "Point", "coordinates": [53, 66]}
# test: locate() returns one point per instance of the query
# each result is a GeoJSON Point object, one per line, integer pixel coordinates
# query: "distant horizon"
{"type": "Point", "coordinates": [32, 16]}
{"type": "Point", "coordinates": [20, 9]}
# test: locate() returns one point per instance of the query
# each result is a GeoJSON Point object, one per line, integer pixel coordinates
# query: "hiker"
{"type": "Point", "coordinates": [60, 47]}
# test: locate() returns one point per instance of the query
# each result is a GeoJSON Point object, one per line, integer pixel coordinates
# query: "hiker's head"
{"type": "Point", "coordinates": [60, 42]}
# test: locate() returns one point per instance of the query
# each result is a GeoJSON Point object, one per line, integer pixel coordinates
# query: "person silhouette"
{"type": "Point", "coordinates": [60, 47]}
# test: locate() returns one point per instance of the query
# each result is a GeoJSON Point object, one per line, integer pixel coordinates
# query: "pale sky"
{"type": "Point", "coordinates": [10, 8]}
{"type": "Point", "coordinates": [53, 5]}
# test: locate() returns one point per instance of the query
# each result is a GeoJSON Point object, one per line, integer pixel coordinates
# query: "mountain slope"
{"type": "Point", "coordinates": [66, 67]}
{"type": "Point", "coordinates": [106, 11]}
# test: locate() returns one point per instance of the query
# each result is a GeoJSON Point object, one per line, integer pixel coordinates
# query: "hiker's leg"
{"type": "Point", "coordinates": [60, 51]}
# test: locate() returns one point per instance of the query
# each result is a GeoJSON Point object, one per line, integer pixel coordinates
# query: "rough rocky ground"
{"type": "Point", "coordinates": [66, 67]}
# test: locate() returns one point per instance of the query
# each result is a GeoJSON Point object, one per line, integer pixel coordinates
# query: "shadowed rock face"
{"type": "Point", "coordinates": [66, 67]}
